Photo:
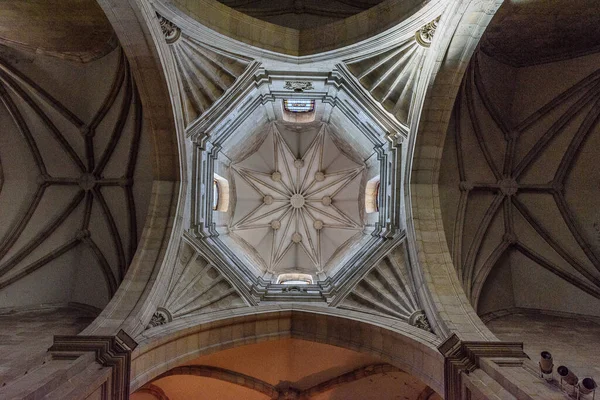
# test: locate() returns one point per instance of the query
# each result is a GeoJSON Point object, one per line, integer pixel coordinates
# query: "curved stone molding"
{"type": "Point", "coordinates": [204, 73]}
{"type": "Point", "coordinates": [195, 287]}
{"type": "Point", "coordinates": [391, 76]}
{"type": "Point", "coordinates": [387, 17]}
{"type": "Point", "coordinates": [439, 288]}
{"type": "Point", "coordinates": [412, 350]}
{"type": "Point", "coordinates": [134, 303]}
{"type": "Point", "coordinates": [154, 391]}
{"type": "Point", "coordinates": [387, 290]}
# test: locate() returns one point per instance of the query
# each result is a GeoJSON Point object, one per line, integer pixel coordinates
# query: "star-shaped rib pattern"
{"type": "Point", "coordinates": [290, 203]}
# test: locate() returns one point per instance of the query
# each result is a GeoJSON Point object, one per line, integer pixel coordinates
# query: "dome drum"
{"type": "Point", "coordinates": [297, 190]}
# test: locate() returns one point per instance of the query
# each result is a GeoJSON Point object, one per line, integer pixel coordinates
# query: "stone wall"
{"type": "Point", "coordinates": [26, 335]}
{"type": "Point", "coordinates": [573, 341]}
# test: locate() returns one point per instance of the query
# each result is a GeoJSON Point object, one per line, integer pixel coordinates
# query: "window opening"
{"type": "Point", "coordinates": [215, 194]}
{"type": "Point", "coordinates": [299, 105]}
{"type": "Point", "coordinates": [220, 200]}
{"type": "Point", "coordinates": [372, 195]}
{"type": "Point", "coordinates": [295, 279]}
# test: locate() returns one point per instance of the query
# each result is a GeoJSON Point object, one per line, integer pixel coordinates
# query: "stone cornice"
{"type": "Point", "coordinates": [110, 351]}
{"type": "Point", "coordinates": [463, 356]}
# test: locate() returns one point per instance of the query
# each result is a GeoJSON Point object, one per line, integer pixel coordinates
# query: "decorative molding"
{"type": "Point", "coordinates": [424, 36]}
{"type": "Point", "coordinates": [464, 357]}
{"type": "Point", "coordinates": [387, 289]}
{"type": "Point", "coordinates": [259, 88]}
{"type": "Point", "coordinates": [298, 86]}
{"type": "Point", "coordinates": [204, 73]}
{"type": "Point", "coordinates": [111, 351]}
{"type": "Point", "coordinates": [390, 76]}
{"type": "Point", "coordinates": [160, 317]}
{"type": "Point", "coordinates": [195, 287]}
{"type": "Point", "coordinates": [419, 319]}
{"type": "Point", "coordinates": [169, 29]}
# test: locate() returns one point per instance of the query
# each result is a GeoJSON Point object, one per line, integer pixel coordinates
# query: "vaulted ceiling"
{"type": "Point", "coordinates": [518, 185]}
{"type": "Point", "coordinates": [529, 32]}
{"type": "Point", "coordinates": [299, 199]}
{"type": "Point", "coordinates": [300, 14]}
{"type": "Point", "coordinates": [75, 177]}
{"type": "Point", "coordinates": [74, 30]}
{"type": "Point", "coordinates": [295, 369]}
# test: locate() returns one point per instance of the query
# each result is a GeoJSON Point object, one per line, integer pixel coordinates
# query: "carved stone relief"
{"type": "Point", "coordinates": [424, 36]}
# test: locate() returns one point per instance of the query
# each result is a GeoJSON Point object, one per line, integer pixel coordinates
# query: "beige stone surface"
{"type": "Point", "coordinates": [573, 341]}
{"type": "Point", "coordinates": [76, 30]}
{"type": "Point", "coordinates": [25, 335]}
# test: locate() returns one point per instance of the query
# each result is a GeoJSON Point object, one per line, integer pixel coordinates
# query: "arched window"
{"type": "Point", "coordinates": [298, 110]}
{"type": "Point", "coordinates": [372, 195]}
{"type": "Point", "coordinates": [220, 193]}
{"type": "Point", "coordinates": [295, 279]}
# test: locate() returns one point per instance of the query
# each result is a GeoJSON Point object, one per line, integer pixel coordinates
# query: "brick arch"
{"type": "Point", "coordinates": [457, 36]}
{"type": "Point", "coordinates": [407, 348]}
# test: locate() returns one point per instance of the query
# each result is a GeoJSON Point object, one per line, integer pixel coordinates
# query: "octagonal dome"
{"type": "Point", "coordinates": [298, 199]}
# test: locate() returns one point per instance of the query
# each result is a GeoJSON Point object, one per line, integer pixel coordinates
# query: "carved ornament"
{"type": "Point", "coordinates": [298, 86]}
{"type": "Point", "coordinates": [424, 36]}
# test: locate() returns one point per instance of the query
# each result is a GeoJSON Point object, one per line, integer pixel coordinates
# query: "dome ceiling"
{"type": "Point", "coordinates": [291, 195]}
{"type": "Point", "coordinates": [298, 198]}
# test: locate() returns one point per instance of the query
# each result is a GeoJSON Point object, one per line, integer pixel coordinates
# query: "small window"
{"type": "Point", "coordinates": [215, 194]}
{"type": "Point", "coordinates": [295, 279]}
{"type": "Point", "coordinates": [299, 105]}
{"type": "Point", "coordinates": [299, 110]}
{"type": "Point", "coordinates": [372, 195]}
{"type": "Point", "coordinates": [220, 200]}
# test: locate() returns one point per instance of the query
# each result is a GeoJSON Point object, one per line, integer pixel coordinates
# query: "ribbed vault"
{"type": "Point", "coordinates": [524, 171]}
{"type": "Point", "coordinates": [69, 168]}
{"type": "Point", "coordinates": [297, 199]}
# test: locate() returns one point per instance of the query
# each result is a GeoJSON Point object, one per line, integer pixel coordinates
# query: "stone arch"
{"type": "Point", "coordinates": [139, 34]}
{"type": "Point", "coordinates": [412, 350]}
{"type": "Point", "coordinates": [457, 36]}
{"type": "Point", "coordinates": [368, 24]}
